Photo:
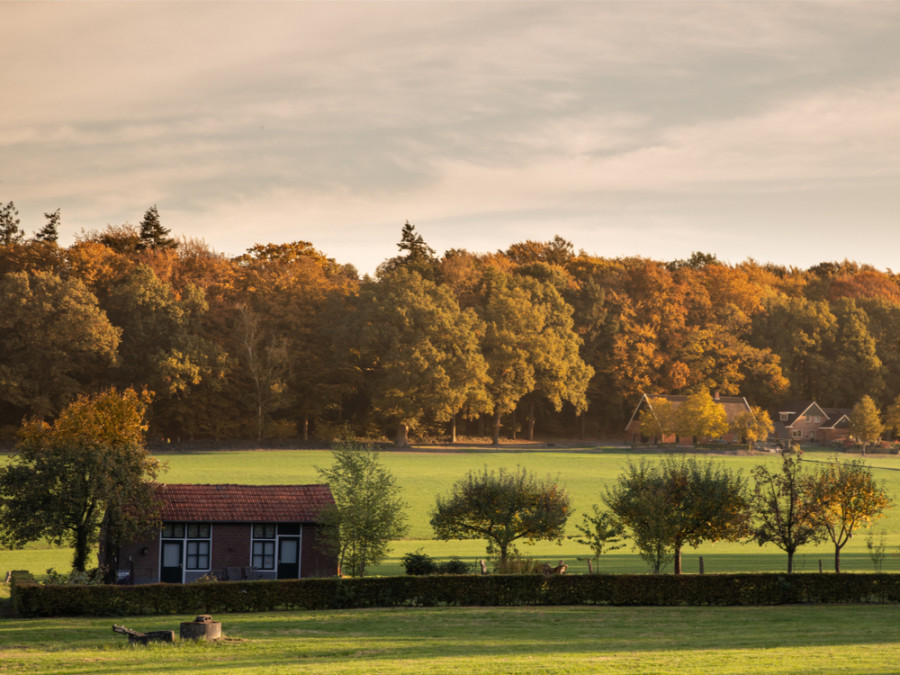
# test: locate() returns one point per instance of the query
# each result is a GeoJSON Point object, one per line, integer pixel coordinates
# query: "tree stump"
{"type": "Point", "coordinates": [201, 628]}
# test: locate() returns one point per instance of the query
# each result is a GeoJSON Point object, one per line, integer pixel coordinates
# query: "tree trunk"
{"type": "Point", "coordinates": [453, 429]}
{"type": "Point", "coordinates": [81, 549]}
{"type": "Point", "coordinates": [495, 439]}
{"type": "Point", "coordinates": [531, 420]}
{"type": "Point", "coordinates": [481, 426]}
{"type": "Point", "coordinates": [677, 558]}
{"type": "Point", "coordinates": [583, 425]}
{"type": "Point", "coordinates": [515, 425]}
{"type": "Point", "coordinates": [402, 435]}
{"type": "Point", "coordinates": [837, 559]}
{"type": "Point", "coordinates": [790, 562]}
{"type": "Point", "coordinates": [305, 426]}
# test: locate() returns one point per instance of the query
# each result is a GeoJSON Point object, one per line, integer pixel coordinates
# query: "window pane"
{"type": "Point", "coordinates": [198, 531]}
{"type": "Point", "coordinates": [173, 530]}
{"type": "Point", "coordinates": [261, 531]}
{"type": "Point", "coordinates": [288, 529]}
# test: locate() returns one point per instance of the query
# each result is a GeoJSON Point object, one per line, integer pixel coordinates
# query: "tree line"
{"type": "Point", "coordinates": [284, 341]}
{"type": "Point", "coordinates": [664, 506]}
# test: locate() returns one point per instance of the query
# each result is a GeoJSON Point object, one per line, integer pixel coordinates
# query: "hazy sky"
{"type": "Point", "coordinates": [768, 130]}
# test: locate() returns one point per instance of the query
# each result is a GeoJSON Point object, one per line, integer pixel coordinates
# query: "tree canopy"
{"type": "Point", "coordinates": [569, 339]}
{"type": "Point", "coordinates": [368, 512]}
{"type": "Point", "coordinates": [90, 464]}
{"type": "Point", "coordinates": [502, 507]}
{"type": "Point", "coordinates": [678, 502]}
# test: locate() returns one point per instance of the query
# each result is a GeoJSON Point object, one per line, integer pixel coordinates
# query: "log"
{"type": "Point", "coordinates": [136, 637]}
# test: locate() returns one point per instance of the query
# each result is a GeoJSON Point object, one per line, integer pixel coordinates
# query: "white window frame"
{"type": "Point", "coordinates": [196, 540]}
{"type": "Point", "coordinates": [263, 542]}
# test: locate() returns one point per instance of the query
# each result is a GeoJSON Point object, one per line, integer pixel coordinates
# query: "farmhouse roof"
{"type": "Point", "coordinates": [733, 405]}
{"type": "Point", "coordinates": [226, 503]}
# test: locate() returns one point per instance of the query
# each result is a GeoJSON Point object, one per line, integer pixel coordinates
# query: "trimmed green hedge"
{"type": "Point", "coordinates": [32, 600]}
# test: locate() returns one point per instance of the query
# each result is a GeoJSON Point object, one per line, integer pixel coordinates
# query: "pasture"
{"type": "Point", "coordinates": [584, 471]}
{"type": "Point", "coordinates": [791, 639]}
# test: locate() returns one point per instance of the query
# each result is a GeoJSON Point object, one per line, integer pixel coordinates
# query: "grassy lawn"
{"type": "Point", "coordinates": [794, 639]}
{"type": "Point", "coordinates": [584, 471]}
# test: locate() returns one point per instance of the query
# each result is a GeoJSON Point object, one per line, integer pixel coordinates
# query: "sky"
{"type": "Point", "coordinates": [764, 130]}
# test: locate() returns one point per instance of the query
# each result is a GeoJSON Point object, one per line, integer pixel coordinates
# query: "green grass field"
{"type": "Point", "coordinates": [584, 471]}
{"type": "Point", "coordinates": [794, 639]}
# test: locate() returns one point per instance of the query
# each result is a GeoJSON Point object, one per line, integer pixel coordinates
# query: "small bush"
{"type": "Point", "coordinates": [454, 566]}
{"type": "Point", "coordinates": [419, 564]}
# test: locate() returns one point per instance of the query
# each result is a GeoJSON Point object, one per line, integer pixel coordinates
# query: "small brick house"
{"type": "Point", "coordinates": [233, 532]}
{"type": "Point", "coordinates": [807, 421]}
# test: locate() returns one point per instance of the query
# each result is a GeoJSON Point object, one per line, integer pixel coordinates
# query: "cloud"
{"type": "Point", "coordinates": [490, 122]}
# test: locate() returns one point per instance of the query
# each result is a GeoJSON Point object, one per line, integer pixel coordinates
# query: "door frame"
{"type": "Point", "coordinates": [162, 551]}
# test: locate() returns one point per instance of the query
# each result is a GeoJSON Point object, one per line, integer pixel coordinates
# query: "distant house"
{"type": "Point", "coordinates": [232, 531]}
{"type": "Point", "coordinates": [733, 406]}
{"type": "Point", "coordinates": [807, 421]}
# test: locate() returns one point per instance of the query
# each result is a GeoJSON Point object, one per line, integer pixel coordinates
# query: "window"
{"type": "Point", "coordinates": [173, 531]}
{"type": "Point", "coordinates": [813, 418]}
{"type": "Point", "coordinates": [796, 433]}
{"type": "Point", "coordinates": [196, 538]}
{"type": "Point", "coordinates": [197, 555]}
{"type": "Point", "coordinates": [784, 416]}
{"type": "Point", "coordinates": [263, 547]}
{"type": "Point", "coordinates": [264, 555]}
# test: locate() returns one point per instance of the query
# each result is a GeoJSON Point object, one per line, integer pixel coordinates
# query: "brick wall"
{"type": "Point", "coordinates": [231, 545]}
{"type": "Point", "coordinates": [313, 562]}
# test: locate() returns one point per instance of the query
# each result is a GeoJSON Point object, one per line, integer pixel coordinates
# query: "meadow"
{"type": "Point", "coordinates": [426, 472]}
{"type": "Point", "coordinates": [790, 639]}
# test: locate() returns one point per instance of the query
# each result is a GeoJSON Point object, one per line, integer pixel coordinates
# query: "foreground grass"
{"type": "Point", "coordinates": [790, 639]}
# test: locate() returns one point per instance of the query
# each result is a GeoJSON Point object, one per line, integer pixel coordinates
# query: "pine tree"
{"type": "Point", "coordinates": [153, 234]}
{"type": "Point", "coordinates": [10, 232]}
{"type": "Point", "coordinates": [50, 231]}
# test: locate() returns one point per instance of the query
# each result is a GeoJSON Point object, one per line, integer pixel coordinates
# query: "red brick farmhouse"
{"type": "Point", "coordinates": [233, 532]}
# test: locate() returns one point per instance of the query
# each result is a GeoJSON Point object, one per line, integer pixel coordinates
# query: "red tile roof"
{"type": "Point", "coordinates": [243, 503]}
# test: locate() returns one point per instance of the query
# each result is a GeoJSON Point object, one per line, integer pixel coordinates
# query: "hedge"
{"type": "Point", "coordinates": [33, 600]}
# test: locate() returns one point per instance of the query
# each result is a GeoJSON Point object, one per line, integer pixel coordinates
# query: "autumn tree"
{"type": "Point", "coordinates": [529, 345]}
{"type": "Point", "coordinates": [846, 496]}
{"type": "Point", "coordinates": [892, 417]}
{"type": "Point", "coordinates": [784, 508]}
{"type": "Point", "coordinates": [54, 339]}
{"type": "Point", "coordinates": [865, 423]}
{"type": "Point", "coordinates": [676, 503]}
{"type": "Point", "coordinates": [753, 425]}
{"type": "Point", "coordinates": [502, 507]}
{"type": "Point", "coordinates": [424, 349]}
{"type": "Point", "coordinates": [657, 419]}
{"type": "Point", "coordinates": [162, 344]}
{"type": "Point", "coordinates": [267, 363]}
{"type": "Point", "coordinates": [700, 417]}
{"type": "Point", "coordinates": [300, 301]}
{"type": "Point", "coordinates": [368, 511]}
{"type": "Point", "coordinates": [90, 464]}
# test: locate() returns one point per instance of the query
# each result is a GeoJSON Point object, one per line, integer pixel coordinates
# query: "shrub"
{"type": "Point", "coordinates": [453, 566]}
{"type": "Point", "coordinates": [419, 563]}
